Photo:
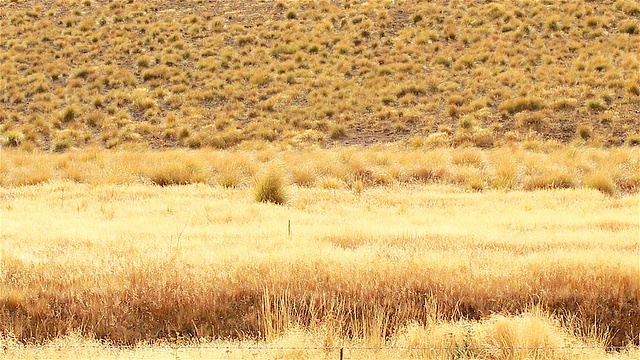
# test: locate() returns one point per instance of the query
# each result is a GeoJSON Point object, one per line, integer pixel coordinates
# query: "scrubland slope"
{"type": "Point", "coordinates": [215, 73]}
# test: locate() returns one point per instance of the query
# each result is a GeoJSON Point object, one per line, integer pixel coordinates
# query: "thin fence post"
{"type": "Point", "coordinates": [341, 353]}
{"type": "Point", "coordinates": [289, 229]}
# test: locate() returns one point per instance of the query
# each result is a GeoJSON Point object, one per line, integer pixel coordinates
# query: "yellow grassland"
{"type": "Point", "coordinates": [525, 166]}
{"type": "Point", "coordinates": [421, 263]}
{"type": "Point", "coordinates": [282, 179]}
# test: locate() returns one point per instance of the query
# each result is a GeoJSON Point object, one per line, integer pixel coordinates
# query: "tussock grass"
{"type": "Point", "coordinates": [270, 188]}
{"type": "Point", "coordinates": [351, 72]}
{"type": "Point", "coordinates": [601, 182]}
{"type": "Point", "coordinates": [521, 167]}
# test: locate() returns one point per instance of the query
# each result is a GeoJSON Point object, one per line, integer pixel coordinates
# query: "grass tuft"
{"type": "Point", "coordinates": [174, 173]}
{"type": "Point", "coordinates": [271, 188]}
{"type": "Point", "coordinates": [602, 182]}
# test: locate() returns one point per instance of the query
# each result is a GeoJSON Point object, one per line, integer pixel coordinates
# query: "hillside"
{"type": "Point", "coordinates": [157, 74]}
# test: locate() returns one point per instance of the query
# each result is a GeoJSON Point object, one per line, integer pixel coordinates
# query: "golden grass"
{"type": "Point", "coordinates": [158, 73]}
{"type": "Point", "coordinates": [118, 258]}
{"type": "Point", "coordinates": [526, 166]}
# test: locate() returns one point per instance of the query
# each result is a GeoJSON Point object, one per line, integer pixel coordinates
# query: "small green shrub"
{"type": "Point", "coordinates": [466, 123]}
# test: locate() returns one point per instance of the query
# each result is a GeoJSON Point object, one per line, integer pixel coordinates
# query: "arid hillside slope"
{"type": "Point", "coordinates": [160, 73]}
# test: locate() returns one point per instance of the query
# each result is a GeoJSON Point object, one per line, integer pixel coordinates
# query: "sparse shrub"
{"type": "Point", "coordinates": [388, 100]}
{"type": "Point", "coordinates": [629, 7]}
{"type": "Point", "coordinates": [60, 144]}
{"type": "Point", "coordinates": [158, 72]}
{"type": "Point", "coordinates": [441, 60]}
{"type": "Point", "coordinates": [183, 133]}
{"type": "Point", "coordinates": [593, 22]}
{"type": "Point", "coordinates": [357, 186]}
{"type": "Point", "coordinates": [565, 104]}
{"type": "Point", "coordinates": [633, 88]}
{"type": "Point", "coordinates": [283, 49]}
{"type": "Point", "coordinates": [83, 72]}
{"type": "Point", "coordinates": [453, 111]}
{"type": "Point", "coordinates": [466, 123]}
{"type": "Point", "coordinates": [629, 182]}
{"type": "Point", "coordinates": [456, 99]}
{"type": "Point", "coordinates": [437, 140]}
{"type": "Point", "coordinates": [94, 119]}
{"type": "Point", "coordinates": [506, 177]}
{"type": "Point", "coordinates": [474, 183]}
{"type": "Point", "coordinates": [415, 90]}
{"type": "Point", "coordinates": [271, 188]}
{"type": "Point", "coordinates": [553, 24]}
{"type": "Point", "coordinates": [261, 78]}
{"type": "Point", "coordinates": [141, 100]}
{"type": "Point", "coordinates": [194, 142]}
{"type": "Point", "coordinates": [468, 157]}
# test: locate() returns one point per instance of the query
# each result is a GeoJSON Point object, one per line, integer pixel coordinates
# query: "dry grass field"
{"type": "Point", "coordinates": [420, 263]}
{"type": "Point", "coordinates": [440, 179]}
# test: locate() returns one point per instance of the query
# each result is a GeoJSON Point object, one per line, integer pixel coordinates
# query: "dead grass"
{"type": "Point", "coordinates": [130, 263]}
{"type": "Point", "coordinates": [519, 167]}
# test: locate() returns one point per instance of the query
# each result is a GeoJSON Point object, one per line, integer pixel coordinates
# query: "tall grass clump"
{"type": "Point", "coordinates": [601, 182]}
{"type": "Point", "coordinates": [176, 174]}
{"type": "Point", "coordinates": [271, 188]}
